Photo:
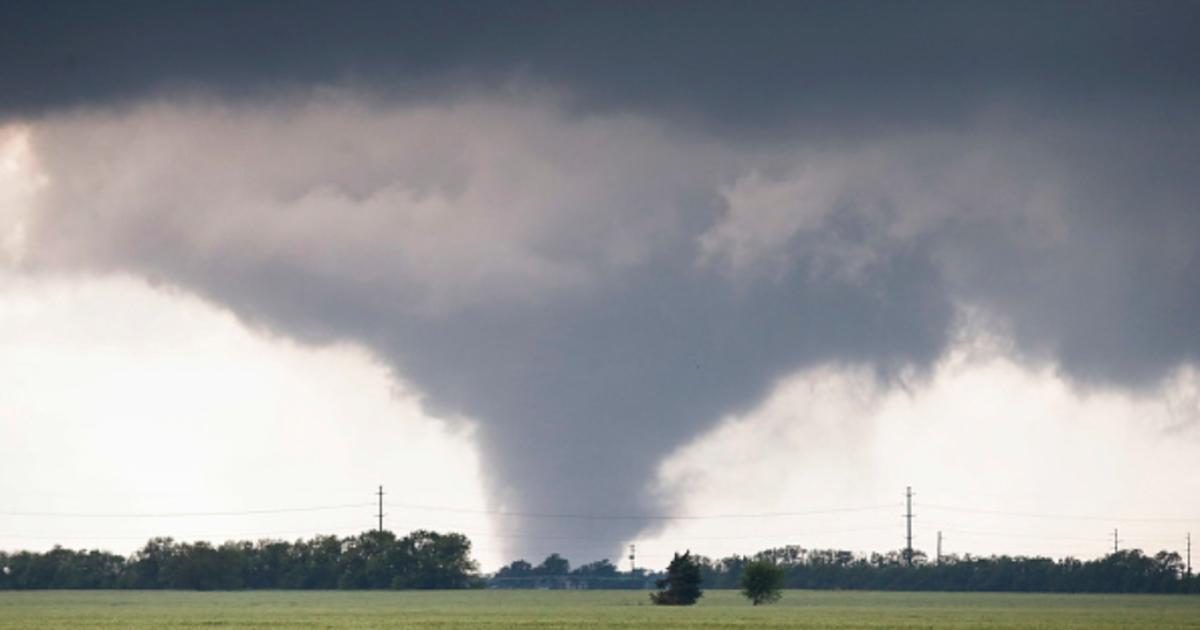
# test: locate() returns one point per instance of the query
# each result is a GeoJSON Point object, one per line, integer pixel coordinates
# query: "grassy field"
{"type": "Point", "coordinates": [596, 609]}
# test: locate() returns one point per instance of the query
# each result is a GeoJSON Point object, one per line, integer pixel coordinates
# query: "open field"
{"type": "Point", "coordinates": [595, 609]}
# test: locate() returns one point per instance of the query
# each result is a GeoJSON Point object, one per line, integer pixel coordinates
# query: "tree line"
{"type": "Point", "coordinates": [431, 560]}
{"type": "Point", "coordinates": [371, 560]}
{"type": "Point", "coordinates": [1129, 571]}
{"type": "Point", "coordinates": [555, 572]}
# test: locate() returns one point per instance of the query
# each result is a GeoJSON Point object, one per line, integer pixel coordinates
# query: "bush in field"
{"type": "Point", "coordinates": [681, 587]}
{"type": "Point", "coordinates": [762, 582]}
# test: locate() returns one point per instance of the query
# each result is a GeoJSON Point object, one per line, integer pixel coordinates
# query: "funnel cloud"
{"type": "Point", "coordinates": [598, 258]}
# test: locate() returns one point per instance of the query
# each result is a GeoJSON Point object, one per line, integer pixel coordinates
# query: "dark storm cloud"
{"type": "Point", "coordinates": [730, 63]}
{"type": "Point", "coordinates": [1116, 298]}
{"type": "Point", "coordinates": [599, 228]}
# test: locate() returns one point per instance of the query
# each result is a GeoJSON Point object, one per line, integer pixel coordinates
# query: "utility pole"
{"type": "Point", "coordinates": [1189, 554]}
{"type": "Point", "coordinates": [908, 516]}
{"type": "Point", "coordinates": [380, 495]}
{"type": "Point", "coordinates": [939, 552]}
{"type": "Point", "coordinates": [1115, 540]}
{"type": "Point", "coordinates": [632, 557]}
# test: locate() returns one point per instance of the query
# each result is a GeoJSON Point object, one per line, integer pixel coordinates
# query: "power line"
{"type": "Point", "coordinates": [182, 537]}
{"type": "Point", "coordinates": [673, 539]}
{"type": "Point", "coordinates": [639, 517]}
{"type": "Point", "coordinates": [947, 508]}
{"type": "Point", "coordinates": [287, 510]}
{"type": "Point", "coordinates": [781, 535]}
{"type": "Point", "coordinates": [1033, 536]}
{"type": "Point", "coordinates": [579, 516]}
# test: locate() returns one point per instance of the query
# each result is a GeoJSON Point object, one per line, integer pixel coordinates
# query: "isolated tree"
{"type": "Point", "coordinates": [762, 582]}
{"type": "Point", "coordinates": [681, 587]}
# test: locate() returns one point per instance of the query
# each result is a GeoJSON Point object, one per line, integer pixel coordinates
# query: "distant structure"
{"type": "Point", "coordinates": [380, 514]}
{"type": "Point", "coordinates": [908, 516]}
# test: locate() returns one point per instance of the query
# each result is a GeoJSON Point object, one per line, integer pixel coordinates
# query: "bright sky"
{"type": "Point", "coordinates": [123, 398]}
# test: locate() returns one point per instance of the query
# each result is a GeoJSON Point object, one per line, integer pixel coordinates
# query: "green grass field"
{"type": "Point", "coordinates": [595, 609]}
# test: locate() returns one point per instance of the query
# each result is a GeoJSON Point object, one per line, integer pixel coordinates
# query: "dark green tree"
{"type": "Point", "coordinates": [599, 568]}
{"type": "Point", "coordinates": [436, 561]}
{"type": "Point", "coordinates": [681, 587]}
{"type": "Point", "coordinates": [518, 569]}
{"type": "Point", "coordinates": [554, 564]}
{"type": "Point", "coordinates": [762, 582]}
{"type": "Point", "coordinates": [152, 565]}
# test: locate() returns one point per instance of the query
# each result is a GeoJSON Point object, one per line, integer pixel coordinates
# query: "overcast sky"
{"type": "Point", "coordinates": [559, 275]}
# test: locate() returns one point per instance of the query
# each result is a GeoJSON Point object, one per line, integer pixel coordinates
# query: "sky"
{"type": "Point", "coordinates": [713, 276]}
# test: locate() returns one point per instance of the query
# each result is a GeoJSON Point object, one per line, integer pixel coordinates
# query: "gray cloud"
{"type": "Point", "coordinates": [566, 280]}
{"type": "Point", "coordinates": [598, 237]}
{"type": "Point", "coordinates": [755, 66]}
{"type": "Point", "coordinates": [541, 275]}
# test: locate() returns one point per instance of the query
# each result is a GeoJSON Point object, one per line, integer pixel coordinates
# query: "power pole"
{"type": "Point", "coordinates": [1115, 540]}
{"type": "Point", "coordinates": [939, 552]}
{"type": "Point", "coordinates": [1189, 554]}
{"type": "Point", "coordinates": [632, 557]}
{"type": "Point", "coordinates": [908, 516]}
{"type": "Point", "coordinates": [380, 495]}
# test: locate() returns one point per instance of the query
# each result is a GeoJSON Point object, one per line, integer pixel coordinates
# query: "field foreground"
{"type": "Point", "coordinates": [594, 609]}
